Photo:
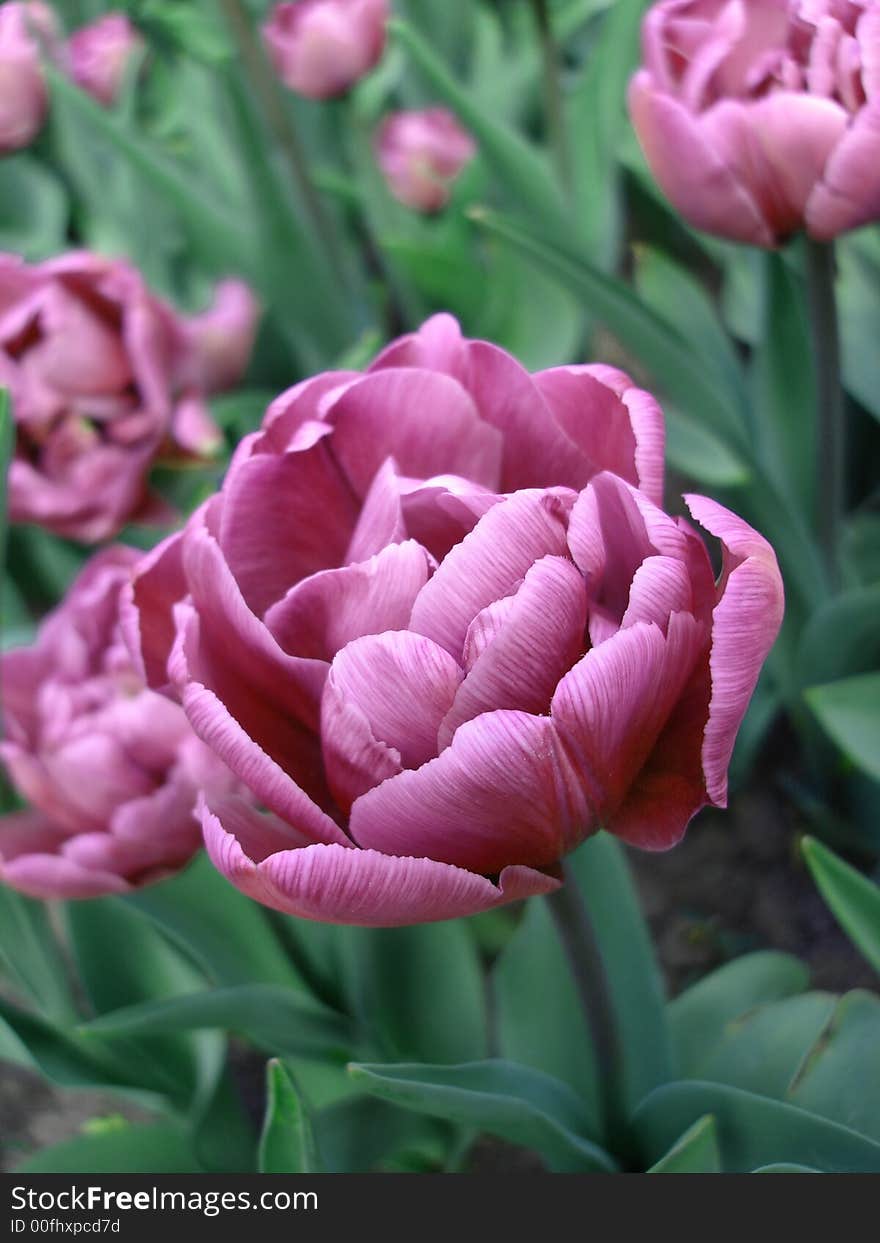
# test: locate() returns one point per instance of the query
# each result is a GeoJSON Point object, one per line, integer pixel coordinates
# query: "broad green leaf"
{"type": "Point", "coordinates": [853, 898]}
{"type": "Point", "coordinates": [421, 992]}
{"type": "Point", "coordinates": [842, 637]}
{"type": "Point", "coordinates": [539, 1019]}
{"type": "Point", "coordinates": [363, 1135]}
{"type": "Point", "coordinates": [514, 1102]}
{"type": "Point", "coordinates": [698, 453]}
{"type": "Point", "coordinates": [858, 296]}
{"type": "Point", "coordinates": [860, 548]}
{"type": "Point", "coordinates": [227, 935]}
{"type": "Point", "coordinates": [277, 1019]}
{"type": "Point", "coordinates": [699, 1016]}
{"type": "Point", "coordinates": [520, 168]}
{"type": "Point", "coordinates": [600, 869]}
{"type": "Point", "coordinates": [223, 1135]}
{"type": "Point", "coordinates": [841, 1077]}
{"type": "Point", "coordinates": [287, 1143]}
{"type": "Point", "coordinates": [752, 1130]}
{"type": "Point", "coordinates": [784, 386]}
{"type": "Point", "coordinates": [163, 1148]}
{"type": "Point", "coordinates": [695, 1152]}
{"type": "Point", "coordinates": [30, 955]}
{"type": "Point", "coordinates": [849, 711]}
{"type": "Point", "coordinates": [7, 444]}
{"type": "Point", "coordinates": [785, 1167]}
{"type": "Point", "coordinates": [33, 208]}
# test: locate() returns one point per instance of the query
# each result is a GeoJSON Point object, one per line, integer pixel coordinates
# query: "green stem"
{"type": "Point", "coordinates": [554, 109]}
{"type": "Point", "coordinates": [831, 445]}
{"type": "Point", "coordinates": [580, 943]}
{"type": "Point", "coordinates": [267, 92]}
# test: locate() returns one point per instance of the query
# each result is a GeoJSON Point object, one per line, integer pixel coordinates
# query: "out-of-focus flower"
{"type": "Point", "coordinates": [759, 117]}
{"type": "Point", "coordinates": [421, 153]}
{"type": "Point", "coordinates": [442, 644]}
{"type": "Point", "coordinates": [110, 769]}
{"type": "Point", "coordinates": [104, 378]}
{"type": "Point", "coordinates": [23, 101]}
{"type": "Point", "coordinates": [321, 48]}
{"type": "Point", "coordinates": [99, 53]}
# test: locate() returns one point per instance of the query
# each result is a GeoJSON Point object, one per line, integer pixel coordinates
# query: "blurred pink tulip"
{"type": "Point", "coordinates": [110, 769]}
{"type": "Point", "coordinates": [99, 53]}
{"type": "Point", "coordinates": [23, 99]}
{"type": "Point", "coordinates": [421, 154]}
{"type": "Point", "coordinates": [321, 48]}
{"type": "Point", "coordinates": [759, 117]}
{"type": "Point", "coordinates": [441, 643]}
{"type": "Point", "coordinates": [104, 378]}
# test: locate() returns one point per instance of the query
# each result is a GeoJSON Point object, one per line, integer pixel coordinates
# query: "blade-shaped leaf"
{"type": "Point", "coordinates": [853, 898]}
{"type": "Point", "coordinates": [30, 955]}
{"type": "Point", "coordinates": [287, 1144]}
{"type": "Point", "coordinates": [163, 1148]}
{"type": "Point", "coordinates": [841, 1077]}
{"type": "Point", "coordinates": [849, 710]}
{"type": "Point", "coordinates": [842, 637]}
{"type": "Point", "coordinates": [695, 1152]}
{"type": "Point", "coordinates": [514, 1102]}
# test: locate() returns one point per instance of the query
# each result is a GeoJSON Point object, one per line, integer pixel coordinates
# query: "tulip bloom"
{"type": "Point", "coordinates": [23, 99]}
{"type": "Point", "coordinates": [421, 154]}
{"type": "Point", "coordinates": [758, 117]}
{"type": "Point", "coordinates": [321, 48]}
{"type": "Point", "coordinates": [110, 768]}
{"type": "Point", "coordinates": [442, 643]}
{"type": "Point", "coordinates": [104, 378]}
{"type": "Point", "coordinates": [99, 54]}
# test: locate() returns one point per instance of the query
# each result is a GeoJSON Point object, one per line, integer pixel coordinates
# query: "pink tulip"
{"type": "Point", "coordinates": [759, 117]}
{"type": "Point", "coordinates": [421, 154]}
{"type": "Point", "coordinates": [321, 48]}
{"type": "Point", "coordinates": [99, 55]}
{"type": "Point", "coordinates": [23, 100]}
{"type": "Point", "coordinates": [105, 377]}
{"type": "Point", "coordinates": [441, 643]}
{"type": "Point", "coordinates": [110, 769]}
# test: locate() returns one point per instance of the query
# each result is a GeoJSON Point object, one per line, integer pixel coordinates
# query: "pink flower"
{"type": "Point", "coordinates": [321, 48]}
{"type": "Point", "coordinates": [760, 117]}
{"type": "Point", "coordinates": [104, 377]}
{"type": "Point", "coordinates": [441, 643]}
{"type": "Point", "coordinates": [421, 154]}
{"type": "Point", "coordinates": [110, 768]}
{"type": "Point", "coordinates": [23, 99]}
{"type": "Point", "coordinates": [99, 54]}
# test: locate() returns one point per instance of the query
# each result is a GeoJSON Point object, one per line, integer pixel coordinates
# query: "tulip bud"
{"type": "Point", "coordinates": [421, 154]}
{"type": "Point", "coordinates": [99, 55]}
{"type": "Point", "coordinates": [321, 48]}
{"type": "Point", "coordinates": [23, 100]}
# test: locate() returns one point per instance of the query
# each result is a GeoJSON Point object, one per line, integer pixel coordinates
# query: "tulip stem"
{"type": "Point", "coordinates": [267, 92]}
{"type": "Point", "coordinates": [831, 446]}
{"type": "Point", "coordinates": [554, 108]}
{"type": "Point", "coordinates": [578, 936]}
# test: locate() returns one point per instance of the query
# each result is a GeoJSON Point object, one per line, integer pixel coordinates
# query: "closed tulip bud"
{"type": "Point", "coordinates": [321, 48]}
{"type": "Point", "coordinates": [99, 54]}
{"type": "Point", "coordinates": [421, 154]}
{"type": "Point", "coordinates": [759, 117]}
{"type": "Point", "coordinates": [26, 29]}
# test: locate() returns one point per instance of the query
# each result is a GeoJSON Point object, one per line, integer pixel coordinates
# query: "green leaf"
{"type": "Point", "coordinates": [279, 1020]}
{"type": "Point", "coordinates": [849, 711]}
{"type": "Point", "coordinates": [421, 992]}
{"type": "Point", "coordinates": [784, 386]}
{"type": "Point", "coordinates": [162, 1148]}
{"type": "Point", "coordinates": [602, 874]}
{"type": "Point", "coordinates": [854, 900]}
{"type": "Point", "coordinates": [523, 172]}
{"type": "Point", "coordinates": [785, 1167]}
{"type": "Point", "coordinates": [841, 1077]}
{"type": "Point", "coordinates": [227, 935]}
{"type": "Point", "coordinates": [33, 208]}
{"type": "Point", "coordinates": [695, 1152]}
{"type": "Point", "coordinates": [842, 637]}
{"type": "Point", "coordinates": [858, 295]}
{"type": "Point", "coordinates": [699, 1016]}
{"type": "Point", "coordinates": [30, 954]}
{"type": "Point", "coordinates": [752, 1130]}
{"type": "Point", "coordinates": [698, 453]}
{"type": "Point", "coordinates": [363, 1135]}
{"type": "Point", "coordinates": [287, 1144]}
{"type": "Point", "coordinates": [223, 1136]}
{"type": "Point", "coordinates": [7, 445]}
{"type": "Point", "coordinates": [514, 1102]}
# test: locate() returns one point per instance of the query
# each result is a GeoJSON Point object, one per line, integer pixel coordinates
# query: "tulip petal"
{"type": "Point", "coordinates": [593, 418]}
{"type": "Point", "coordinates": [660, 586]}
{"type": "Point", "coordinates": [503, 792]}
{"type": "Point", "coordinates": [745, 623]}
{"type": "Point", "coordinates": [849, 194]}
{"type": "Point", "coordinates": [437, 346]}
{"type": "Point", "coordinates": [146, 610]}
{"type": "Point", "coordinates": [360, 887]}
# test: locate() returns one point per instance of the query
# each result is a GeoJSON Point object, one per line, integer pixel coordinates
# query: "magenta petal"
{"type": "Point", "coordinates": [503, 792]}
{"type": "Point", "coordinates": [53, 876]}
{"type": "Point", "coordinates": [380, 521]}
{"type": "Point", "coordinates": [701, 186]}
{"type": "Point", "coordinates": [437, 346]}
{"type": "Point", "coordinates": [612, 707]}
{"type": "Point", "coordinates": [849, 194]}
{"type": "Point", "coordinates": [488, 563]}
{"type": "Point", "coordinates": [541, 634]}
{"type": "Point", "coordinates": [363, 887]}
{"type": "Point", "coordinates": [323, 613]}
{"type": "Point", "coordinates": [423, 419]}
{"type": "Point", "coordinates": [593, 418]}
{"type": "Point", "coordinates": [660, 586]}
{"type": "Point", "coordinates": [146, 609]}
{"type": "Point", "coordinates": [745, 623]}
{"type": "Point", "coordinates": [28, 832]}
